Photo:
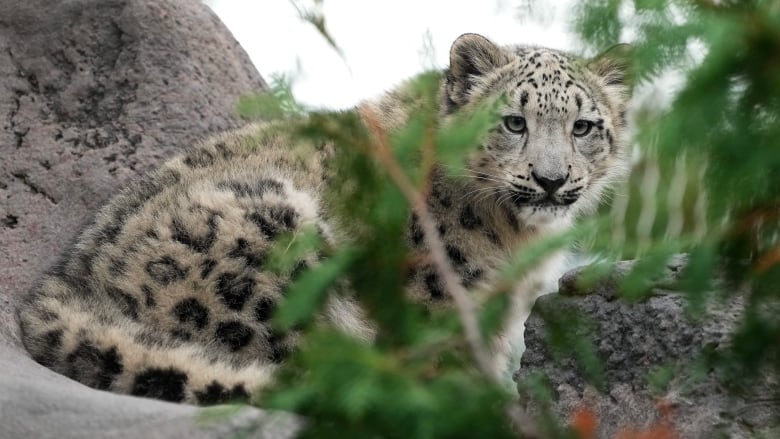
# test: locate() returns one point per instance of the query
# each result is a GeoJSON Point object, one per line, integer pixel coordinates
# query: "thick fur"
{"type": "Point", "coordinates": [164, 294]}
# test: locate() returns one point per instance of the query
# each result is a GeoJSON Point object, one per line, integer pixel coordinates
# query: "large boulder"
{"type": "Point", "coordinates": [650, 353]}
{"type": "Point", "coordinates": [94, 93]}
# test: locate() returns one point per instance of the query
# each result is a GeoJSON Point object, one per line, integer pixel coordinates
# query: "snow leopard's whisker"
{"type": "Point", "coordinates": [484, 177]}
{"type": "Point", "coordinates": [479, 175]}
{"type": "Point", "coordinates": [479, 191]}
{"type": "Point", "coordinates": [486, 194]}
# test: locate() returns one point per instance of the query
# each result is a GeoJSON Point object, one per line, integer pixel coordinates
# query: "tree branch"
{"type": "Point", "coordinates": [463, 303]}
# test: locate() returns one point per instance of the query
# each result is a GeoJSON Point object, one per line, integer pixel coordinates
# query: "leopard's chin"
{"type": "Point", "coordinates": [545, 202]}
{"type": "Point", "coordinates": [543, 215]}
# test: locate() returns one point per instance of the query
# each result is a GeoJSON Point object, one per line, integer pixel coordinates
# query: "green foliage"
{"type": "Point", "coordinates": [418, 371]}
{"type": "Point", "coordinates": [313, 15]}
{"type": "Point", "coordinates": [707, 183]}
{"type": "Point", "coordinates": [566, 331]}
{"type": "Point", "coordinates": [307, 294]}
{"type": "Point", "coordinates": [277, 103]}
{"type": "Point", "coordinates": [355, 390]}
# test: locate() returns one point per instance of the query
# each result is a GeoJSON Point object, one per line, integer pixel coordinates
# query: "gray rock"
{"type": "Point", "coordinates": [93, 93]}
{"type": "Point", "coordinates": [637, 340]}
{"type": "Point", "coordinates": [38, 403]}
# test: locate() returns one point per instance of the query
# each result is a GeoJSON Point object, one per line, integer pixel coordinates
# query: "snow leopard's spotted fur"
{"type": "Point", "coordinates": [164, 294]}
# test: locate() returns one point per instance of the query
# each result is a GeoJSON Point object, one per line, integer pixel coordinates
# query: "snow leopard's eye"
{"type": "Point", "coordinates": [514, 124]}
{"type": "Point", "coordinates": [582, 128]}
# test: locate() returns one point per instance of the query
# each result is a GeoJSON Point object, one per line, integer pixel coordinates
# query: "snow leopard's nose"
{"type": "Point", "coordinates": [550, 185]}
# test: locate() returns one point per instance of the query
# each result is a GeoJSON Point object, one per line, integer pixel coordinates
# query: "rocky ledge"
{"type": "Point", "coordinates": [651, 380]}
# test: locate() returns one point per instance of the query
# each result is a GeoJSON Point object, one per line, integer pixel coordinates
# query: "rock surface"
{"type": "Point", "coordinates": [94, 93]}
{"type": "Point", "coordinates": [634, 341]}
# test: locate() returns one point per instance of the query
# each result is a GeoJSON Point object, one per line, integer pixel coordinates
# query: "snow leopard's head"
{"type": "Point", "coordinates": [560, 133]}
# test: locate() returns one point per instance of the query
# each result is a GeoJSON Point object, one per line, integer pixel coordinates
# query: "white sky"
{"type": "Point", "coordinates": [382, 40]}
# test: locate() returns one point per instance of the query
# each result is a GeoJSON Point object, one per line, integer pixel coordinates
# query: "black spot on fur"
{"type": "Point", "coordinates": [200, 244]}
{"type": "Point", "coordinates": [456, 255]}
{"type": "Point", "coordinates": [274, 220]}
{"type": "Point", "coordinates": [216, 393]}
{"type": "Point", "coordinates": [223, 150]}
{"type": "Point", "coordinates": [165, 270]}
{"type": "Point", "coordinates": [285, 216]}
{"type": "Point", "coordinates": [148, 296]}
{"type": "Point", "coordinates": [468, 219]}
{"type": "Point", "coordinates": [53, 339]}
{"type": "Point", "coordinates": [199, 158]}
{"type": "Point", "coordinates": [441, 197]}
{"type": "Point", "coordinates": [279, 351]}
{"type": "Point", "coordinates": [127, 303]}
{"type": "Point", "coordinates": [523, 98]}
{"type": "Point", "coordinates": [470, 276]}
{"type": "Point", "coordinates": [242, 249]}
{"type": "Point", "coordinates": [298, 269]}
{"type": "Point", "coordinates": [206, 267]}
{"type": "Point", "coordinates": [166, 384]}
{"type": "Point", "coordinates": [253, 189]}
{"type": "Point", "coordinates": [51, 342]}
{"type": "Point", "coordinates": [578, 100]}
{"type": "Point", "coordinates": [181, 334]}
{"type": "Point", "coordinates": [493, 236]}
{"type": "Point", "coordinates": [233, 334]}
{"type": "Point", "coordinates": [264, 308]}
{"type": "Point", "coordinates": [611, 141]}
{"type": "Point", "coordinates": [191, 311]}
{"type": "Point", "coordinates": [415, 231]}
{"type": "Point", "coordinates": [234, 290]}
{"type": "Point", "coordinates": [93, 367]}
{"type": "Point", "coordinates": [109, 233]}
{"type": "Point", "coordinates": [433, 286]}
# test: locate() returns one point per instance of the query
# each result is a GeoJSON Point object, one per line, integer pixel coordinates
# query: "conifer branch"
{"type": "Point", "coordinates": [463, 304]}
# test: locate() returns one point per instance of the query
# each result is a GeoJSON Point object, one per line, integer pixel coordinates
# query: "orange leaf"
{"type": "Point", "coordinates": [584, 422]}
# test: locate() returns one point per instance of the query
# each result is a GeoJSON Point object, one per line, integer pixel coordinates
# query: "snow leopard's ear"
{"type": "Point", "coordinates": [615, 67]}
{"type": "Point", "coordinates": [471, 57]}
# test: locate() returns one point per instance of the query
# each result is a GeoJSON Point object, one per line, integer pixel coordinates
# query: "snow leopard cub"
{"type": "Point", "coordinates": [164, 294]}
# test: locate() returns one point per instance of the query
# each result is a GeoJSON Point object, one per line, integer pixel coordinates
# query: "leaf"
{"type": "Point", "coordinates": [290, 248]}
{"type": "Point", "coordinates": [465, 133]}
{"type": "Point", "coordinates": [493, 312]}
{"type": "Point", "coordinates": [645, 274]}
{"type": "Point", "coordinates": [307, 294]}
{"type": "Point", "coordinates": [276, 103]}
{"type": "Point", "coordinates": [584, 422]}
{"type": "Point", "coordinates": [315, 17]}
